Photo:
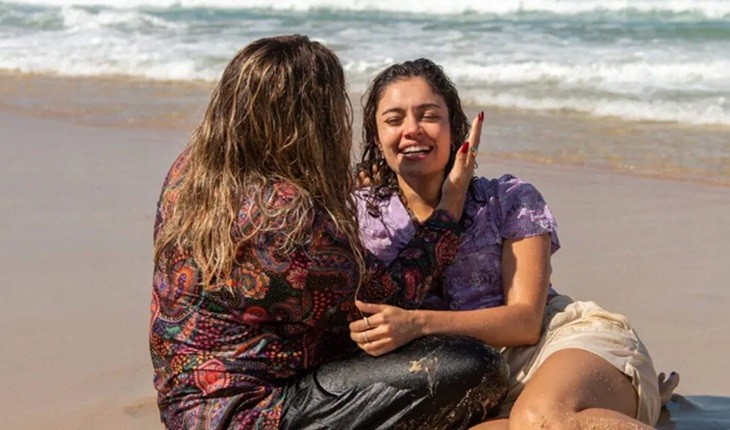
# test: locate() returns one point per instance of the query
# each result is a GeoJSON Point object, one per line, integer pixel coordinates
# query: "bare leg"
{"type": "Point", "coordinates": [574, 389]}
{"type": "Point", "coordinates": [667, 386]}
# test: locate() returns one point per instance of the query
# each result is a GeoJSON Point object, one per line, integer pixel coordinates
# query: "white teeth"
{"type": "Point", "coordinates": [417, 148]}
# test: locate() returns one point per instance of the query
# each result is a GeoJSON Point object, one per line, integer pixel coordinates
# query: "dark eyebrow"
{"type": "Point", "coordinates": [419, 107]}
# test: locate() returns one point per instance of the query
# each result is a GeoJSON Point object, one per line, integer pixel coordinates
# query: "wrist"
{"type": "Point", "coordinates": [452, 204]}
{"type": "Point", "coordinates": [420, 319]}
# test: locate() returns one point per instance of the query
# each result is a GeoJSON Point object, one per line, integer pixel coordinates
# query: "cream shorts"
{"type": "Point", "coordinates": [585, 325]}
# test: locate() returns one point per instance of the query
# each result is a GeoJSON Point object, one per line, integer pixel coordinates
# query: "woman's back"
{"type": "Point", "coordinates": [275, 316]}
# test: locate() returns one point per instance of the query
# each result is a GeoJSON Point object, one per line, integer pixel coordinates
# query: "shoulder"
{"type": "Point", "coordinates": [513, 191]}
{"type": "Point", "coordinates": [505, 186]}
{"type": "Point", "coordinates": [177, 171]}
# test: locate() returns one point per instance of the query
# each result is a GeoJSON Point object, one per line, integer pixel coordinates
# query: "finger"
{"type": "Point", "coordinates": [361, 337]}
{"type": "Point", "coordinates": [367, 322]}
{"type": "Point", "coordinates": [361, 325]}
{"type": "Point", "coordinates": [466, 154]}
{"type": "Point", "coordinates": [461, 160]}
{"type": "Point", "coordinates": [378, 347]}
{"type": "Point", "coordinates": [362, 179]}
{"type": "Point", "coordinates": [475, 134]}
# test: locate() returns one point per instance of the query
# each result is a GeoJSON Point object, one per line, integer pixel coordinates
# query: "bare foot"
{"type": "Point", "coordinates": [667, 386]}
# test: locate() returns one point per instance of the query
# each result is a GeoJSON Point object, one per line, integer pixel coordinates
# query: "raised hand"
{"type": "Point", "coordinates": [453, 192]}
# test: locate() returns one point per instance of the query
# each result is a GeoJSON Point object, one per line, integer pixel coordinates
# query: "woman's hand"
{"type": "Point", "coordinates": [453, 192]}
{"type": "Point", "coordinates": [385, 329]}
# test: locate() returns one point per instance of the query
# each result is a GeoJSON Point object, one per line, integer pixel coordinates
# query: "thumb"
{"type": "Point", "coordinates": [368, 308]}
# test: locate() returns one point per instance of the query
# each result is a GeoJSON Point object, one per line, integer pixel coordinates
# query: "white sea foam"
{"type": "Point", "coordinates": [707, 8]}
{"type": "Point", "coordinates": [75, 18]}
{"type": "Point", "coordinates": [623, 78]}
{"type": "Point", "coordinates": [646, 68]}
{"type": "Point", "coordinates": [708, 112]}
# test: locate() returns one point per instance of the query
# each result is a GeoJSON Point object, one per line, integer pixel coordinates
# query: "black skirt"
{"type": "Point", "coordinates": [435, 382]}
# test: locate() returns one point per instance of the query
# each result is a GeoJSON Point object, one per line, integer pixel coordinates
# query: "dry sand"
{"type": "Point", "coordinates": [76, 215]}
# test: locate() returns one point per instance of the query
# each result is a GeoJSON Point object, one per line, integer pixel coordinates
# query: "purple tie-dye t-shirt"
{"type": "Point", "coordinates": [496, 209]}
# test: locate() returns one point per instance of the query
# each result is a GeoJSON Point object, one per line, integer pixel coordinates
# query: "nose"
{"type": "Point", "coordinates": [411, 126]}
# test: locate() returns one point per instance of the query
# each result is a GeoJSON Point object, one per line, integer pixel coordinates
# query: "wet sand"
{"type": "Point", "coordinates": [664, 150]}
{"type": "Point", "coordinates": [80, 170]}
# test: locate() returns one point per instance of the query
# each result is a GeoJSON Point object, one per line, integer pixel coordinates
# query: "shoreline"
{"type": "Point", "coordinates": [645, 149]}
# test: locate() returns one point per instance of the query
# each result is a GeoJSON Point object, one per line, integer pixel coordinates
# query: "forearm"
{"type": "Point", "coordinates": [511, 325]}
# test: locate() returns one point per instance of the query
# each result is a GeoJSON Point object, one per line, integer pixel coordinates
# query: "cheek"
{"type": "Point", "coordinates": [388, 142]}
{"type": "Point", "coordinates": [391, 158]}
{"type": "Point", "coordinates": [444, 140]}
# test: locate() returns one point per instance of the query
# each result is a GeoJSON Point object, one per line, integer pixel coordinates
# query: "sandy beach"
{"type": "Point", "coordinates": [81, 165]}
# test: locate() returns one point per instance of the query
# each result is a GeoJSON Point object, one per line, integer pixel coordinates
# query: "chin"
{"type": "Point", "coordinates": [419, 173]}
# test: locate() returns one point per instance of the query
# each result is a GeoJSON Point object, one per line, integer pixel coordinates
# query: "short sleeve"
{"type": "Point", "coordinates": [524, 211]}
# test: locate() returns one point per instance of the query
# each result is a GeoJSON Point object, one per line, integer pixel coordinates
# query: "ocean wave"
{"type": "Point", "coordinates": [711, 111]}
{"type": "Point", "coordinates": [622, 78]}
{"type": "Point", "coordinates": [76, 18]}
{"type": "Point", "coordinates": [706, 8]}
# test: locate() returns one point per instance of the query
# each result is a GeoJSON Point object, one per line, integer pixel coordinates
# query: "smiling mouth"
{"type": "Point", "coordinates": [416, 150]}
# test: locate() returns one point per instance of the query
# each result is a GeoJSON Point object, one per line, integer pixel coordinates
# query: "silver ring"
{"type": "Point", "coordinates": [366, 321]}
{"type": "Point", "coordinates": [367, 339]}
{"type": "Point", "coordinates": [474, 150]}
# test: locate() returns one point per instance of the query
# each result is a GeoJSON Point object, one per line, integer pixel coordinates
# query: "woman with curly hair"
{"type": "Point", "coordinates": [573, 364]}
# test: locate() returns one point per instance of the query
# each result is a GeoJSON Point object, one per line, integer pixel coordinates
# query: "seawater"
{"type": "Point", "coordinates": [655, 61]}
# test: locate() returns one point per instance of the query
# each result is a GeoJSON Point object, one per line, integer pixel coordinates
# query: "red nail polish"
{"type": "Point", "coordinates": [464, 147]}
{"type": "Point", "coordinates": [481, 116]}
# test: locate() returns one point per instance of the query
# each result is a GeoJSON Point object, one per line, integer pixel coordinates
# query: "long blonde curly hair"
{"type": "Point", "coordinates": [279, 113]}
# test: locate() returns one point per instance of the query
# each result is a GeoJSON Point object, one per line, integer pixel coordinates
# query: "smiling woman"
{"type": "Point", "coordinates": [412, 130]}
{"type": "Point", "coordinates": [411, 110]}
{"type": "Point", "coordinates": [570, 361]}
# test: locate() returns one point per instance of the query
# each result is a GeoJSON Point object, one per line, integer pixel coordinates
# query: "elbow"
{"type": "Point", "coordinates": [532, 332]}
{"type": "Point", "coordinates": [531, 338]}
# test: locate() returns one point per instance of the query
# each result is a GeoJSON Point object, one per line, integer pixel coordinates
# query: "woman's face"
{"type": "Point", "coordinates": [413, 129]}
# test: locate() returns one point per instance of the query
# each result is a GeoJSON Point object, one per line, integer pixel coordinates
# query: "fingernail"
{"type": "Point", "coordinates": [481, 116]}
{"type": "Point", "coordinates": [464, 147]}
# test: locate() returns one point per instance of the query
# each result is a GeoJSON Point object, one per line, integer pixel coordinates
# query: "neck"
{"type": "Point", "coordinates": [421, 194]}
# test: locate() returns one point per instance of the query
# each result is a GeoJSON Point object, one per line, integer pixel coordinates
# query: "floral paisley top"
{"type": "Point", "coordinates": [496, 209]}
{"type": "Point", "coordinates": [221, 357]}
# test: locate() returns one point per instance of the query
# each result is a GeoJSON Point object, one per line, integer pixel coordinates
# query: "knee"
{"type": "Point", "coordinates": [541, 415]}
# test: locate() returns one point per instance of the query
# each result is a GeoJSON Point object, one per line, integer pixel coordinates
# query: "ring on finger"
{"type": "Point", "coordinates": [367, 321]}
{"type": "Point", "coordinates": [367, 339]}
{"type": "Point", "coordinates": [474, 150]}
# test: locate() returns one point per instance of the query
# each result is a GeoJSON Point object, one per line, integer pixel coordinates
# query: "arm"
{"type": "Point", "coordinates": [526, 278]}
